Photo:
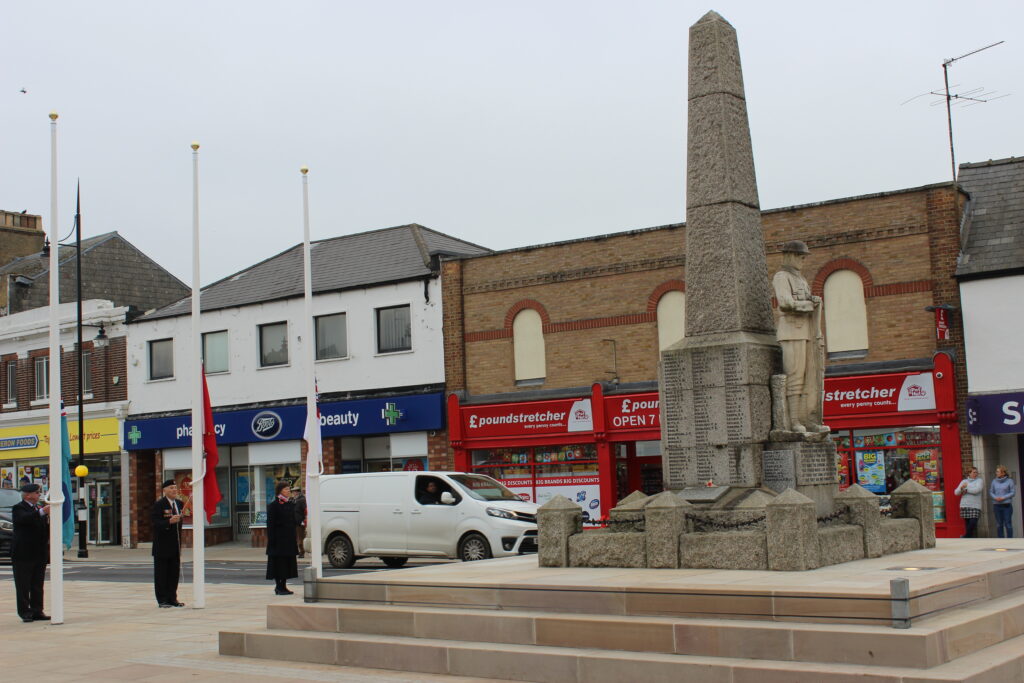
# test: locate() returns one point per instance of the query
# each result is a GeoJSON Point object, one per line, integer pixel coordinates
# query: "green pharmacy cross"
{"type": "Point", "coordinates": [391, 414]}
{"type": "Point", "coordinates": [134, 435]}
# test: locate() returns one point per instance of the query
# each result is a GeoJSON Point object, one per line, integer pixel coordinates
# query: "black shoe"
{"type": "Point", "coordinates": [27, 620]}
{"type": "Point", "coordinates": [164, 604]}
{"type": "Point", "coordinates": [284, 591]}
{"type": "Point", "coordinates": [40, 617]}
{"type": "Point", "coordinates": [176, 604]}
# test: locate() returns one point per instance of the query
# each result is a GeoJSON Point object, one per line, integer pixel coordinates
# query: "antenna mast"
{"type": "Point", "coordinates": [949, 105]}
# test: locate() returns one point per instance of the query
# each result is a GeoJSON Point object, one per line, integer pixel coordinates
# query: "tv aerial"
{"type": "Point", "coordinates": [967, 98]}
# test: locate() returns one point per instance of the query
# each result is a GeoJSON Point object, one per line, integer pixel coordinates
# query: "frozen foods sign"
{"type": "Point", "coordinates": [896, 393]}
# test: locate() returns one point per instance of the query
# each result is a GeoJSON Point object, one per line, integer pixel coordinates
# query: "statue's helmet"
{"type": "Point", "coordinates": [795, 247]}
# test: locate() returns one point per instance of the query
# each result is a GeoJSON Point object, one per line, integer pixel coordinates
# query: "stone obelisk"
{"type": "Point", "coordinates": [715, 383]}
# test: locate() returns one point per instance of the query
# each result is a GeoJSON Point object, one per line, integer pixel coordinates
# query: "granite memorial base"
{"type": "Point", "coordinates": [786, 534]}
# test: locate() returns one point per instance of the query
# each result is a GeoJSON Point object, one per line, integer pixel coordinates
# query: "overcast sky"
{"type": "Point", "coordinates": [502, 123]}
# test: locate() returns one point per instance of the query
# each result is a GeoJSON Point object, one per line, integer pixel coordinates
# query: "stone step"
{"type": "Point", "coordinates": [1003, 662]}
{"type": "Point", "coordinates": [932, 642]}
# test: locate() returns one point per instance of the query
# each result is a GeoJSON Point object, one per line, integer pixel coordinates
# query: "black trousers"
{"type": "Point", "coordinates": [28, 585]}
{"type": "Point", "coordinates": [166, 571]}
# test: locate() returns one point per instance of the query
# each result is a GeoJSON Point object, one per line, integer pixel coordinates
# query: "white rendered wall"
{"type": "Point", "coordinates": [993, 318]}
{"type": "Point", "coordinates": [245, 382]}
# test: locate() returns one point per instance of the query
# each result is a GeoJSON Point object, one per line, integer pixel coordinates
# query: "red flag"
{"type": "Point", "coordinates": [211, 491]}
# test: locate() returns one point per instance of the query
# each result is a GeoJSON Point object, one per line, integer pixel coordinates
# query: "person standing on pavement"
{"type": "Point", "coordinates": [281, 548]}
{"type": "Point", "coordinates": [30, 552]}
{"type": "Point", "coordinates": [970, 490]}
{"type": "Point", "coordinates": [1002, 491]}
{"type": "Point", "coordinates": [166, 517]}
{"type": "Point", "coordinates": [300, 519]}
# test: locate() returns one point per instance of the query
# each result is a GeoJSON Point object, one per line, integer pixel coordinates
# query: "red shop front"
{"type": "Point", "coordinates": [596, 449]}
{"type": "Point", "coordinates": [889, 428]}
{"type": "Point", "coordinates": [591, 449]}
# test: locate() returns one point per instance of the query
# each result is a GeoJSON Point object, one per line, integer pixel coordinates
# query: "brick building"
{"type": "Point", "coordinates": [551, 351]}
{"type": "Point", "coordinates": [117, 279]}
{"type": "Point", "coordinates": [21, 234]}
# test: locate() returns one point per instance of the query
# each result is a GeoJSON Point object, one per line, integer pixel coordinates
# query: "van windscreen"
{"type": "Point", "coordinates": [482, 488]}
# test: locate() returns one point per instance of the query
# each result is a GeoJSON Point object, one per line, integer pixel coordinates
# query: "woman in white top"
{"type": "Point", "coordinates": [969, 491]}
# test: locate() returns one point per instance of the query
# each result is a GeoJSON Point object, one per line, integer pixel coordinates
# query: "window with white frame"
{"type": "Point", "coordinates": [846, 316]}
{"type": "Point", "coordinates": [394, 329]}
{"type": "Point", "coordinates": [528, 352]}
{"type": "Point", "coordinates": [215, 351]}
{"type": "Point", "coordinates": [273, 344]}
{"type": "Point", "coordinates": [12, 381]}
{"type": "Point", "coordinates": [86, 372]}
{"type": "Point", "coordinates": [330, 336]}
{"type": "Point", "coordinates": [161, 359]}
{"type": "Point", "coordinates": [42, 367]}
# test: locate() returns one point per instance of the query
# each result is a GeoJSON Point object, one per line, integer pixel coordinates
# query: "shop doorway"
{"type": "Point", "coordinates": [638, 468]}
{"type": "Point", "coordinates": [104, 523]}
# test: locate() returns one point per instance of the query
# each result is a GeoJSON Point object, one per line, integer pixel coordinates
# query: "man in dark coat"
{"type": "Point", "coordinates": [166, 517]}
{"type": "Point", "coordinates": [30, 552]}
{"type": "Point", "coordinates": [300, 519]}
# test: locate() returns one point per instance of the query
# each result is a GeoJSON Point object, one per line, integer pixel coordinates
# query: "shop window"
{"type": "Point", "coordinates": [394, 329]}
{"type": "Point", "coordinates": [539, 473]}
{"type": "Point", "coordinates": [161, 359]}
{"type": "Point", "coordinates": [183, 478]}
{"type": "Point", "coordinates": [42, 377]}
{"type": "Point", "coordinates": [331, 334]}
{"type": "Point", "coordinates": [671, 318]}
{"type": "Point", "coordinates": [881, 460]}
{"type": "Point", "coordinates": [215, 352]}
{"type": "Point", "coordinates": [12, 382]}
{"type": "Point", "coordinates": [273, 344]}
{"type": "Point", "coordinates": [528, 347]}
{"type": "Point", "coordinates": [846, 316]}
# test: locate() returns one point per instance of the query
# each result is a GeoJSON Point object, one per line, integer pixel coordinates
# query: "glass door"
{"type": "Point", "coordinates": [101, 512]}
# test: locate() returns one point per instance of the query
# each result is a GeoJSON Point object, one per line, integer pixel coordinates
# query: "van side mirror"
{"type": "Point", "coordinates": [447, 498]}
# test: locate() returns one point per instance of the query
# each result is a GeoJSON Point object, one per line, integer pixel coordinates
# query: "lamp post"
{"type": "Point", "coordinates": [100, 341]}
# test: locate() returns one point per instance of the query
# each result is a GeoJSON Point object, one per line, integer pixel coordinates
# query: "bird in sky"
{"type": "Point", "coordinates": [23, 91]}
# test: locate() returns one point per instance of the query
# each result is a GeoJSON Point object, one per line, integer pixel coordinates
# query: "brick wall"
{"type": "Point", "coordinates": [903, 244]}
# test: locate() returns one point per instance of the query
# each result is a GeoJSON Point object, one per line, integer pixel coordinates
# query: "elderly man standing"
{"type": "Point", "coordinates": [30, 552]}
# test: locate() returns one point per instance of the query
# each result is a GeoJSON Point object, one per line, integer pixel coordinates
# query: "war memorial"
{"type": "Point", "coordinates": [750, 566]}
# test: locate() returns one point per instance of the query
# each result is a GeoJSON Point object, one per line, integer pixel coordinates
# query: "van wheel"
{"type": "Point", "coordinates": [339, 552]}
{"type": "Point", "coordinates": [474, 547]}
{"type": "Point", "coordinates": [394, 562]}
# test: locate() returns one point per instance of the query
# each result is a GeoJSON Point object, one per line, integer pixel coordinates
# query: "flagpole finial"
{"type": "Point", "coordinates": [195, 146]}
{"type": "Point", "coordinates": [53, 116]}
{"type": "Point", "coordinates": [304, 170]}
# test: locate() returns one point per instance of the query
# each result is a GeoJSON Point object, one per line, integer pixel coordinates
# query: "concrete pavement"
{"type": "Point", "coordinates": [115, 631]}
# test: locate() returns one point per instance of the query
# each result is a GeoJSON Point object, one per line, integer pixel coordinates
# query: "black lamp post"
{"type": "Point", "coordinates": [100, 341]}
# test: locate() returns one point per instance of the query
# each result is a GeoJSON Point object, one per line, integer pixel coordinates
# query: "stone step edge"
{"type": "Point", "coordinates": [505, 661]}
{"type": "Point", "coordinates": [927, 645]}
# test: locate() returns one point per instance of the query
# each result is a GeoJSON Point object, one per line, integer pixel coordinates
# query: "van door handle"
{"type": "Point", "coordinates": [396, 511]}
{"type": "Point", "coordinates": [416, 512]}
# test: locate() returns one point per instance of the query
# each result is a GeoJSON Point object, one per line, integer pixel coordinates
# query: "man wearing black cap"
{"type": "Point", "coordinates": [166, 518]}
{"type": "Point", "coordinates": [30, 552]}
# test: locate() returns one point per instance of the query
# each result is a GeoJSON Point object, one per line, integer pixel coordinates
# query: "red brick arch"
{"type": "Point", "coordinates": [545, 319]}
{"type": "Point", "coordinates": [818, 286]}
{"type": "Point", "coordinates": [660, 290]}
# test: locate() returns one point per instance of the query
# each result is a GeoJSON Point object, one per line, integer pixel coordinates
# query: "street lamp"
{"type": "Point", "coordinates": [100, 341]}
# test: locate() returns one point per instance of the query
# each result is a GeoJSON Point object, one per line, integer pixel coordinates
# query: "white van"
{"type": "Point", "coordinates": [398, 515]}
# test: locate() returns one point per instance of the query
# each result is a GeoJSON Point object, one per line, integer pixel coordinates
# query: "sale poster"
{"type": "Point", "coordinates": [871, 470]}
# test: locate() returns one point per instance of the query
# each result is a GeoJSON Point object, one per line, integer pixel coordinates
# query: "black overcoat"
{"type": "Point", "coordinates": [166, 536]}
{"type": "Point", "coordinates": [31, 542]}
{"type": "Point", "coordinates": [281, 529]}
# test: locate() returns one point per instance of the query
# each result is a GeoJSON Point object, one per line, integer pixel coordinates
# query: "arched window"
{"type": "Point", "coordinates": [528, 347]}
{"type": "Point", "coordinates": [671, 318]}
{"type": "Point", "coordinates": [846, 316]}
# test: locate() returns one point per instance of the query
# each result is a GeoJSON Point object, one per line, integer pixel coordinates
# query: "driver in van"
{"type": "Point", "coordinates": [431, 495]}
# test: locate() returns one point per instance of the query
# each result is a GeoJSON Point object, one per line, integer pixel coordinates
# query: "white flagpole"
{"type": "Point", "coordinates": [198, 512]}
{"type": "Point", "coordinates": [314, 454]}
{"type": "Point", "coordinates": [55, 494]}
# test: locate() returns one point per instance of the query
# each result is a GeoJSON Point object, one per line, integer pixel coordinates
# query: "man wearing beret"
{"type": "Point", "coordinates": [30, 552]}
{"type": "Point", "coordinates": [166, 517]}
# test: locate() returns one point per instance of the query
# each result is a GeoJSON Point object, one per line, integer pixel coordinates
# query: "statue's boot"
{"type": "Point", "coordinates": [795, 404]}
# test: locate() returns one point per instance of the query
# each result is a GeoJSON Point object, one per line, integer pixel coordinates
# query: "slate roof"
{"type": "Point", "coordinates": [994, 239]}
{"type": "Point", "coordinates": [112, 268]}
{"type": "Point", "coordinates": [362, 260]}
